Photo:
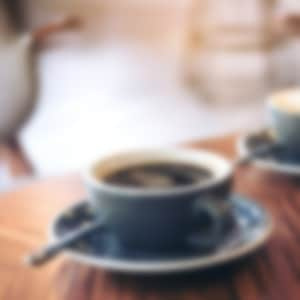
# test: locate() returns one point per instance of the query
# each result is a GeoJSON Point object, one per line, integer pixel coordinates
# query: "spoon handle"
{"type": "Point", "coordinates": [47, 253]}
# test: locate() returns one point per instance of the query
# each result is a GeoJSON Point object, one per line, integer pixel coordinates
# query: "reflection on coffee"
{"type": "Point", "coordinates": [159, 175]}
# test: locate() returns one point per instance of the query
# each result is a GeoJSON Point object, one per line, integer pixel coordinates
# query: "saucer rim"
{"type": "Point", "coordinates": [282, 168]}
{"type": "Point", "coordinates": [162, 266]}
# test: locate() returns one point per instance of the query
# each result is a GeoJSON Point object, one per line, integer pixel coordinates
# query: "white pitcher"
{"type": "Point", "coordinates": [18, 81]}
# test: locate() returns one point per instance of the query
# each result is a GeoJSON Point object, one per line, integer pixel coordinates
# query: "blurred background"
{"type": "Point", "coordinates": [82, 78]}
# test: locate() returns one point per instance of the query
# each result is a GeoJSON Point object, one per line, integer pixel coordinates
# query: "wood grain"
{"type": "Point", "coordinates": [271, 274]}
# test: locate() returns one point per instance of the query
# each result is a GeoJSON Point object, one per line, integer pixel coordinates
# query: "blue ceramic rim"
{"type": "Point", "coordinates": [92, 183]}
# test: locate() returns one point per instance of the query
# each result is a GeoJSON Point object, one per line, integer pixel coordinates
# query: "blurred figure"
{"type": "Point", "coordinates": [236, 49]}
{"type": "Point", "coordinates": [126, 68]}
{"type": "Point", "coordinates": [18, 80]}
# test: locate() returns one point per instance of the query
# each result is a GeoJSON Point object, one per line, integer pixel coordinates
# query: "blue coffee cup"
{"type": "Point", "coordinates": [158, 219]}
{"type": "Point", "coordinates": [283, 109]}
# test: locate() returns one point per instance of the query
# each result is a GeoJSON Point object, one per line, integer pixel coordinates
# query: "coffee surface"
{"type": "Point", "coordinates": [159, 175]}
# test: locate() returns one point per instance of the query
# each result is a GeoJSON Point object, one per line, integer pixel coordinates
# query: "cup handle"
{"type": "Point", "coordinates": [212, 234]}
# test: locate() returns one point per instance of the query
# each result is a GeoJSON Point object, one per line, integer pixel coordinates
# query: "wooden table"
{"type": "Point", "coordinates": [272, 274]}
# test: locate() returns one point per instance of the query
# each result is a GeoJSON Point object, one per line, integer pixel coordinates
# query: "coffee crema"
{"type": "Point", "coordinates": [159, 175]}
{"type": "Point", "coordinates": [287, 100]}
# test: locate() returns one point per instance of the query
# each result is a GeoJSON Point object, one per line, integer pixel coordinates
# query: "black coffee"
{"type": "Point", "coordinates": [159, 175]}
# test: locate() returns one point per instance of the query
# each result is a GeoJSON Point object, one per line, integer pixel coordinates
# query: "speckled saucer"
{"type": "Point", "coordinates": [249, 228]}
{"type": "Point", "coordinates": [278, 160]}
